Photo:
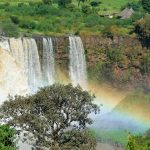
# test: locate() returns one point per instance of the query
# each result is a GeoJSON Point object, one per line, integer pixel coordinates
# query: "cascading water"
{"type": "Point", "coordinates": [48, 67]}
{"type": "Point", "coordinates": [11, 79]}
{"type": "Point", "coordinates": [4, 44]}
{"type": "Point", "coordinates": [32, 65]}
{"type": "Point", "coordinates": [25, 53]}
{"type": "Point", "coordinates": [78, 72]}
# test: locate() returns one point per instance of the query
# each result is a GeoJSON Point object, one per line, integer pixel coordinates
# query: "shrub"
{"type": "Point", "coordinates": [20, 4]}
{"type": "Point", "coordinates": [134, 5]}
{"type": "Point", "coordinates": [91, 20]}
{"type": "Point", "coordinates": [42, 10]}
{"type": "Point", "coordinates": [64, 3]}
{"type": "Point", "coordinates": [15, 19]}
{"type": "Point", "coordinates": [27, 24]}
{"type": "Point", "coordinates": [7, 137]}
{"type": "Point", "coordinates": [145, 63]}
{"type": "Point", "coordinates": [86, 9]}
{"type": "Point", "coordinates": [70, 7]}
{"type": "Point", "coordinates": [115, 55]}
{"type": "Point", "coordinates": [9, 28]}
{"type": "Point", "coordinates": [146, 5]}
{"type": "Point", "coordinates": [142, 28]}
{"type": "Point", "coordinates": [47, 2]}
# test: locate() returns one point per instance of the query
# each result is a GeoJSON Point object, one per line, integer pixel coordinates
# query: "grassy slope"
{"type": "Point", "coordinates": [112, 6]}
{"type": "Point", "coordinates": [71, 22]}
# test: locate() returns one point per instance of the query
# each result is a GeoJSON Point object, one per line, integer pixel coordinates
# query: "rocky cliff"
{"type": "Point", "coordinates": [121, 61]}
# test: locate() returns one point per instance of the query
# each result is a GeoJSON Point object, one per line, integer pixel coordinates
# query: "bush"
{"type": "Point", "coordinates": [146, 5]}
{"type": "Point", "coordinates": [115, 55]}
{"type": "Point", "coordinates": [86, 9]}
{"type": "Point", "coordinates": [71, 7]}
{"type": "Point", "coordinates": [47, 2]}
{"type": "Point", "coordinates": [136, 16]}
{"type": "Point", "coordinates": [9, 28]}
{"type": "Point", "coordinates": [92, 20]}
{"type": "Point", "coordinates": [64, 3]}
{"type": "Point", "coordinates": [134, 5]}
{"type": "Point", "coordinates": [27, 24]}
{"type": "Point", "coordinates": [15, 19]}
{"type": "Point", "coordinates": [141, 142]}
{"type": "Point", "coordinates": [7, 136]}
{"type": "Point", "coordinates": [142, 28]}
{"type": "Point", "coordinates": [145, 63]}
{"type": "Point", "coordinates": [42, 10]}
{"type": "Point", "coordinates": [45, 26]}
{"type": "Point", "coordinates": [20, 4]}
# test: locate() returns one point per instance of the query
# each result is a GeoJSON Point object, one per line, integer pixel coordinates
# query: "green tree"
{"type": "Point", "coordinates": [146, 5]}
{"type": "Point", "coordinates": [9, 28]}
{"type": "Point", "coordinates": [7, 138]}
{"type": "Point", "coordinates": [55, 116]}
{"type": "Point", "coordinates": [141, 142]}
{"type": "Point", "coordinates": [64, 3]}
{"type": "Point", "coordinates": [142, 28]}
{"type": "Point", "coordinates": [47, 2]}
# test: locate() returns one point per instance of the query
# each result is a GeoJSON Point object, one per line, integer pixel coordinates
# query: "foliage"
{"type": "Point", "coordinates": [141, 142]}
{"type": "Point", "coordinates": [9, 28]}
{"type": "Point", "coordinates": [15, 19]}
{"type": "Point", "coordinates": [142, 28]}
{"type": "Point", "coordinates": [86, 9]}
{"type": "Point", "coordinates": [7, 138]}
{"type": "Point", "coordinates": [52, 115]}
{"type": "Point", "coordinates": [134, 5]}
{"type": "Point", "coordinates": [115, 55]}
{"type": "Point", "coordinates": [63, 3]}
{"type": "Point", "coordinates": [145, 63]}
{"type": "Point", "coordinates": [63, 15]}
{"type": "Point", "coordinates": [47, 2]}
{"type": "Point", "coordinates": [27, 24]}
{"type": "Point", "coordinates": [146, 5]}
{"type": "Point", "coordinates": [95, 3]}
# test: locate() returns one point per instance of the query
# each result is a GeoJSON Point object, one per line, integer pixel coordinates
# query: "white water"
{"type": "Point", "coordinates": [48, 67]}
{"type": "Point", "coordinates": [24, 53]}
{"type": "Point", "coordinates": [11, 79]}
{"type": "Point", "coordinates": [78, 72]}
{"type": "Point", "coordinates": [4, 44]}
{"type": "Point", "coordinates": [32, 65]}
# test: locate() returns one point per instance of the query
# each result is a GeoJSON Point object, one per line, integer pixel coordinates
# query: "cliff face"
{"type": "Point", "coordinates": [121, 61]}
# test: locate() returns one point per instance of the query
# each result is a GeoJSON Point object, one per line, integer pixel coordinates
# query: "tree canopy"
{"type": "Point", "coordinates": [7, 137]}
{"type": "Point", "coordinates": [55, 116]}
{"type": "Point", "coordinates": [142, 28]}
{"type": "Point", "coordinates": [141, 142]}
{"type": "Point", "coordinates": [146, 5]}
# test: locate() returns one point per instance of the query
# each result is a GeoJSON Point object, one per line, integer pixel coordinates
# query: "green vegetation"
{"type": "Point", "coordinates": [142, 28]}
{"type": "Point", "coordinates": [55, 117]}
{"type": "Point", "coordinates": [141, 142]}
{"type": "Point", "coordinates": [112, 136]}
{"type": "Point", "coordinates": [146, 5]}
{"type": "Point", "coordinates": [65, 17]}
{"type": "Point", "coordinates": [7, 137]}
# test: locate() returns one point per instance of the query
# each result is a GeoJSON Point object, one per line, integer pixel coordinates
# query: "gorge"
{"type": "Point", "coordinates": [29, 63]}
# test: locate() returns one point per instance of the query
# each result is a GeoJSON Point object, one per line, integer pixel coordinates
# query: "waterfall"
{"type": "Point", "coordinates": [11, 79]}
{"type": "Point", "coordinates": [48, 68]}
{"type": "Point", "coordinates": [32, 65]}
{"type": "Point", "coordinates": [4, 44]}
{"type": "Point", "coordinates": [78, 72]}
{"type": "Point", "coordinates": [25, 52]}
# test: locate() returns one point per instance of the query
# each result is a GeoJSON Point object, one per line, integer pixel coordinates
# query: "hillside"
{"type": "Point", "coordinates": [34, 17]}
